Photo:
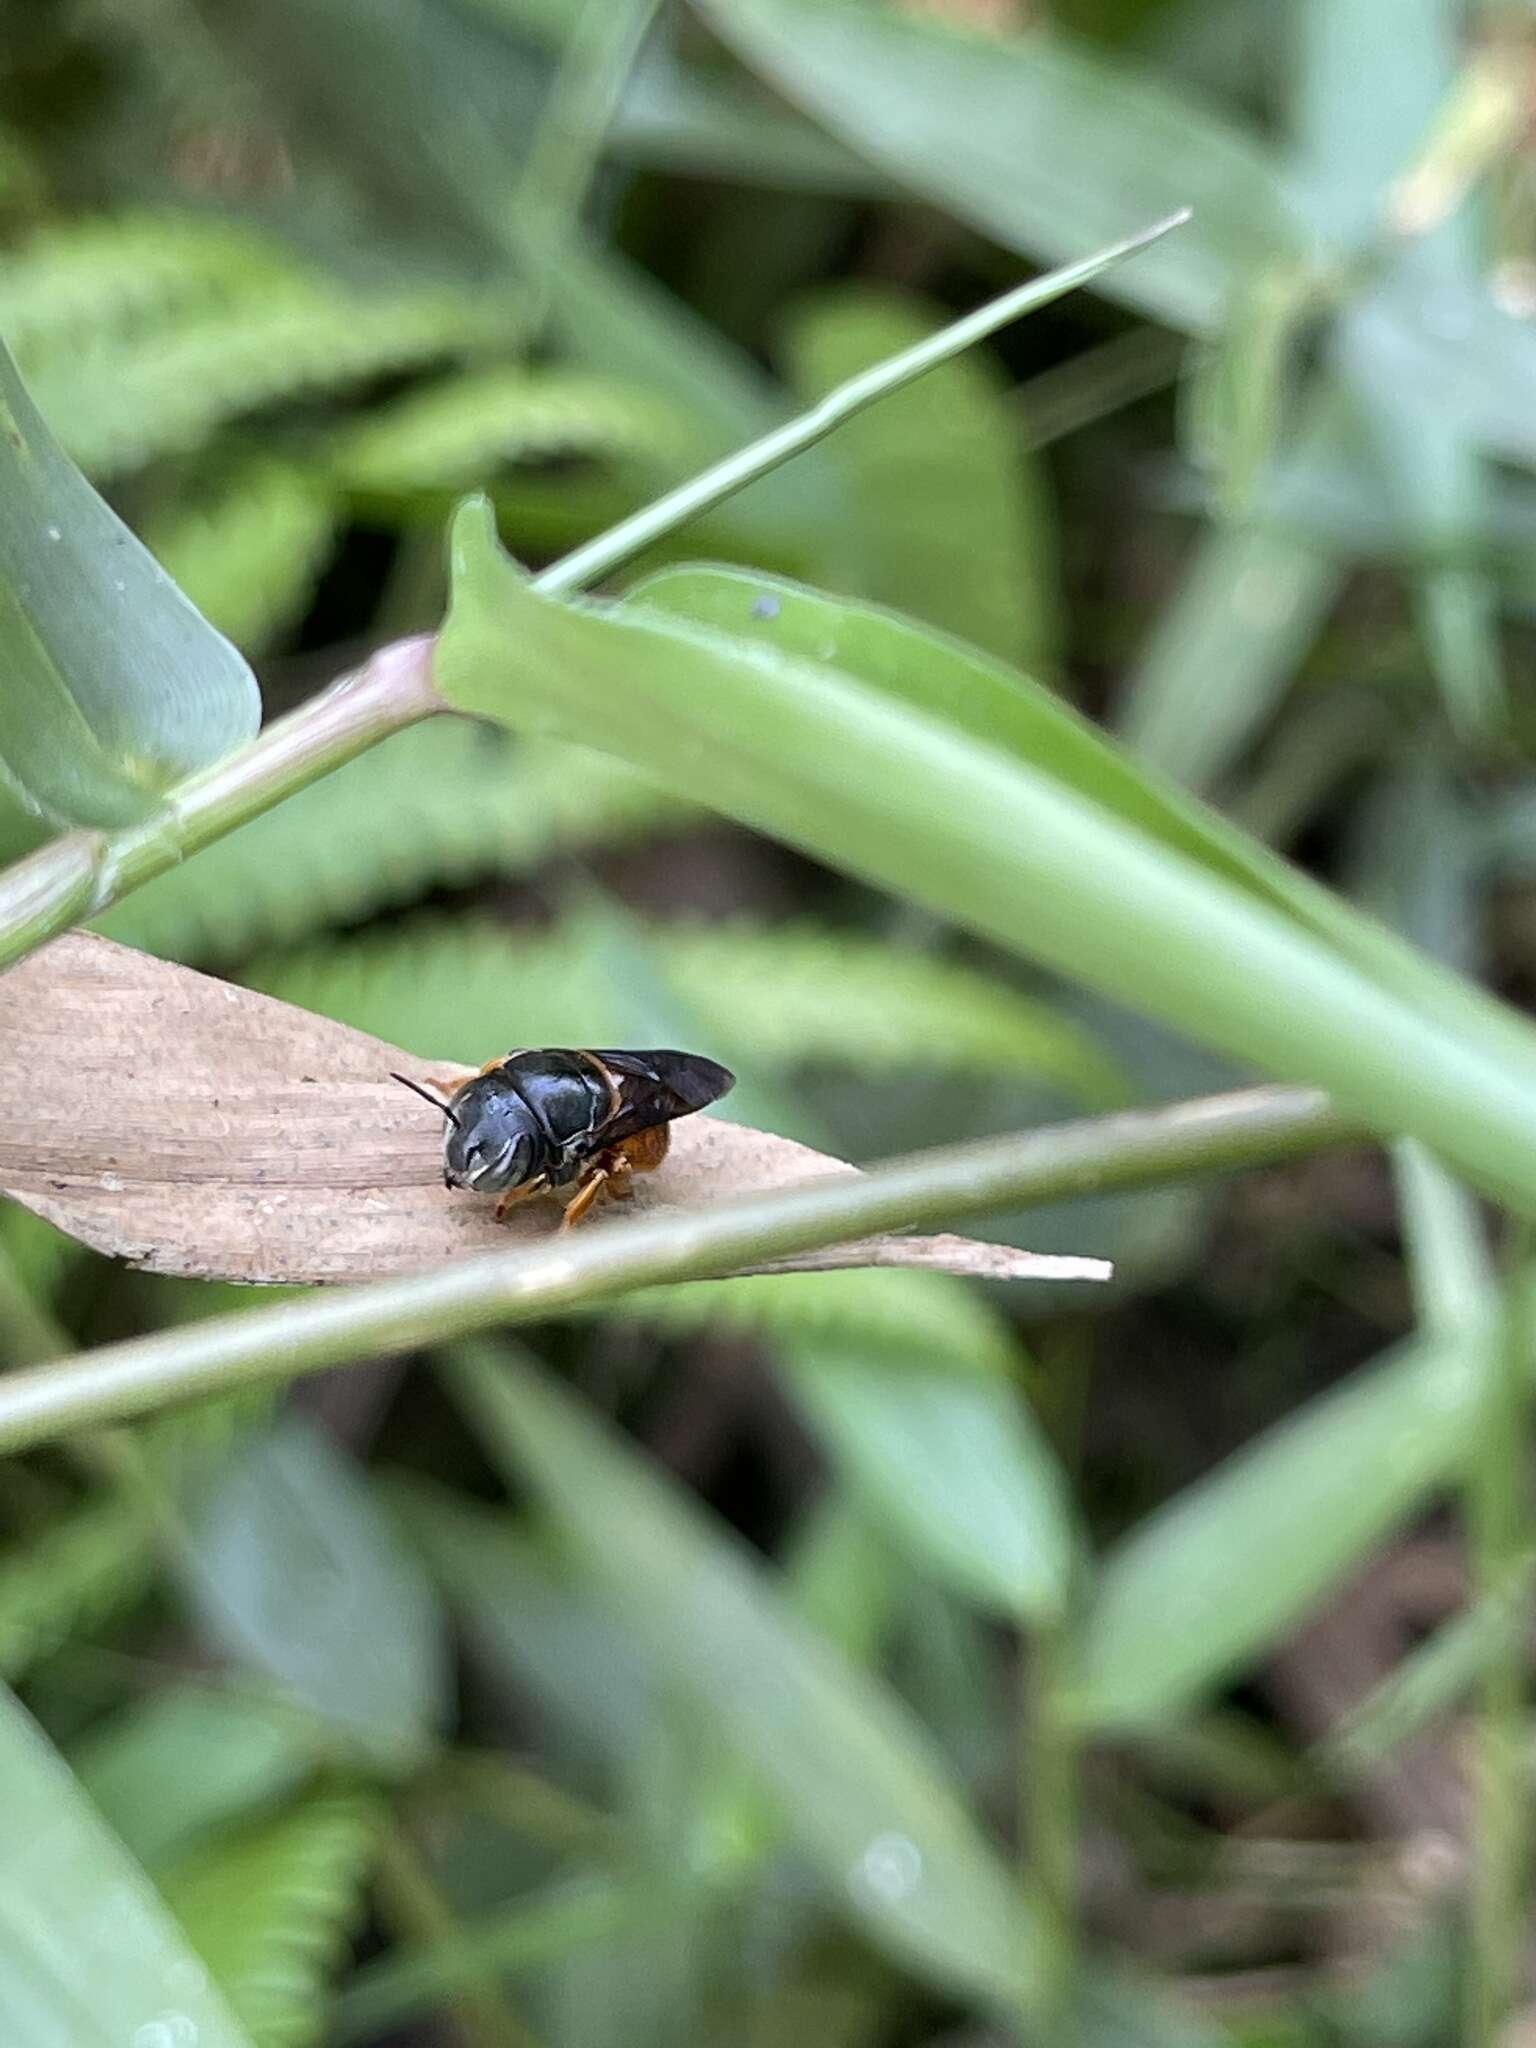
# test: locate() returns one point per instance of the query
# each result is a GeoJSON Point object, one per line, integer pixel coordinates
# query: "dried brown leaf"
{"type": "Point", "coordinates": [193, 1127]}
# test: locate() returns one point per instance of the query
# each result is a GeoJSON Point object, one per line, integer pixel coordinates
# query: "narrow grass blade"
{"type": "Point", "coordinates": [299, 1572]}
{"type": "Point", "coordinates": [852, 1775]}
{"type": "Point", "coordinates": [1034, 138]}
{"type": "Point", "coordinates": [92, 1957]}
{"type": "Point", "coordinates": [1212, 1579]}
{"type": "Point", "coordinates": [586, 565]}
{"type": "Point", "coordinates": [953, 1466]}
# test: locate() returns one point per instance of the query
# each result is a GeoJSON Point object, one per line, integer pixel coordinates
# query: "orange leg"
{"type": "Point", "coordinates": [585, 1197]}
{"type": "Point", "coordinates": [447, 1089]}
{"type": "Point", "coordinates": [510, 1197]}
{"type": "Point", "coordinates": [612, 1173]}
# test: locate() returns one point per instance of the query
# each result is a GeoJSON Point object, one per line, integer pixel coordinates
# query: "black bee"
{"type": "Point", "coordinates": [572, 1124]}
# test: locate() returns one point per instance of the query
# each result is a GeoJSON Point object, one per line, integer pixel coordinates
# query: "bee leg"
{"type": "Point", "coordinates": [510, 1197]}
{"type": "Point", "coordinates": [597, 1179]}
{"type": "Point", "coordinates": [445, 1088]}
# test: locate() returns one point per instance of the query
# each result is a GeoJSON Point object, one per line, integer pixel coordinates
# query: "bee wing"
{"type": "Point", "coordinates": [655, 1087]}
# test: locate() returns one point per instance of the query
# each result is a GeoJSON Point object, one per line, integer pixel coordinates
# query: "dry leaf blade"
{"type": "Point", "coordinates": [197, 1128]}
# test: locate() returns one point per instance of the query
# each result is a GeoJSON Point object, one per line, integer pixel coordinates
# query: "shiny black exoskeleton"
{"type": "Point", "coordinates": [556, 1118]}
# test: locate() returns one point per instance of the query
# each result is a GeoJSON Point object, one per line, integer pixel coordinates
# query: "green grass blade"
{"type": "Point", "coordinates": [851, 1773]}
{"type": "Point", "coordinates": [586, 565]}
{"type": "Point", "coordinates": [948, 514]}
{"type": "Point", "coordinates": [1003, 708]}
{"type": "Point", "coordinates": [802, 749]}
{"type": "Point", "coordinates": [1032, 138]}
{"type": "Point", "coordinates": [92, 1957]}
{"type": "Point", "coordinates": [298, 1572]}
{"type": "Point", "coordinates": [954, 1467]}
{"type": "Point", "coordinates": [1236, 1559]}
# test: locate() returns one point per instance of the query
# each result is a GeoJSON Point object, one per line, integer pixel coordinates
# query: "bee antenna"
{"type": "Point", "coordinates": [427, 1096]}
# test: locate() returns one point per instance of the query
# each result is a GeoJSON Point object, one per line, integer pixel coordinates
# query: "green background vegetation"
{"type": "Point", "coordinates": [1132, 706]}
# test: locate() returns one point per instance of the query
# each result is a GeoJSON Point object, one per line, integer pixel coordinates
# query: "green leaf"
{"type": "Point", "coordinates": [1239, 1557]}
{"type": "Point", "coordinates": [248, 549]}
{"type": "Point", "coordinates": [92, 1957]}
{"type": "Point", "coordinates": [115, 688]}
{"type": "Point", "coordinates": [270, 1907]}
{"type": "Point", "coordinates": [1035, 140]}
{"type": "Point", "coordinates": [183, 1762]}
{"type": "Point", "coordinates": [954, 1467]}
{"type": "Point", "coordinates": [68, 1576]}
{"type": "Point", "coordinates": [1003, 708]}
{"type": "Point", "coordinates": [996, 705]}
{"type": "Point", "coordinates": [534, 1633]}
{"type": "Point", "coordinates": [945, 513]}
{"type": "Point", "coordinates": [852, 1775]}
{"type": "Point", "coordinates": [128, 400]}
{"type": "Point", "coordinates": [788, 995]}
{"type": "Point", "coordinates": [299, 1572]}
{"type": "Point", "coordinates": [1225, 647]}
{"type": "Point", "coordinates": [808, 750]}
{"type": "Point", "coordinates": [911, 1387]}
{"type": "Point", "coordinates": [842, 1577]}
{"type": "Point", "coordinates": [940, 1322]}
{"type": "Point", "coordinates": [461, 430]}
{"type": "Point", "coordinates": [440, 805]}
{"type": "Point", "coordinates": [78, 282]}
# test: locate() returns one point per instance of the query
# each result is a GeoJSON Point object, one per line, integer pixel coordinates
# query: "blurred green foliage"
{"type": "Point", "coordinates": [850, 1658]}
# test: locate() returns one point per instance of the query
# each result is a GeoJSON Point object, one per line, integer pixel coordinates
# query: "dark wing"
{"type": "Point", "coordinates": [655, 1087]}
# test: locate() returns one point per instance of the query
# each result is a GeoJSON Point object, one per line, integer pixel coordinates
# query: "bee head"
{"type": "Point", "coordinates": [491, 1142]}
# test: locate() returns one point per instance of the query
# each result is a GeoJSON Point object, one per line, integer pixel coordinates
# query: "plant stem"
{"type": "Point", "coordinates": [546, 1927]}
{"type": "Point", "coordinates": [1048, 1768]}
{"type": "Point", "coordinates": [1496, 1514]}
{"type": "Point", "coordinates": [84, 872]}
{"type": "Point", "coordinates": [1247, 1128]}
{"type": "Point", "coordinates": [578, 110]}
{"type": "Point", "coordinates": [421, 1917]}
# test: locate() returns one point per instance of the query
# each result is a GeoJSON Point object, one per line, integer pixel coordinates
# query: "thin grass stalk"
{"type": "Point", "coordinates": [419, 1916]}
{"type": "Point", "coordinates": [278, 1343]}
{"type": "Point", "coordinates": [1498, 1524]}
{"type": "Point", "coordinates": [1049, 1822]}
